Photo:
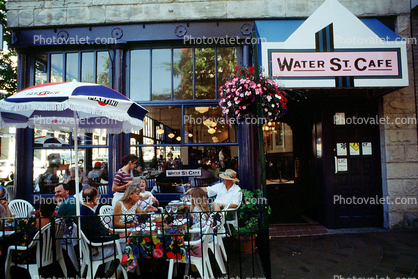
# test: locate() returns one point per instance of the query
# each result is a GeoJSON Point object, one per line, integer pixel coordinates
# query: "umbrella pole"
{"type": "Point", "coordinates": [77, 190]}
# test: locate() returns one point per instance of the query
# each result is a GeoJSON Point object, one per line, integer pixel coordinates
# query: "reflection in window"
{"type": "Point", "coordinates": [278, 144]}
{"type": "Point", "coordinates": [205, 73]}
{"type": "Point", "coordinates": [41, 69]}
{"type": "Point", "coordinates": [140, 75]}
{"type": "Point", "coordinates": [227, 63]}
{"type": "Point", "coordinates": [205, 124]}
{"type": "Point", "coordinates": [161, 74]}
{"type": "Point", "coordinates": [103, 68]}
{"type": "Point", "coordinates": [72, 66]}
{"type": "Point", "coordinates": [87, 67]}
{"type": "Point", "coordinates": [57, 68]}
{"type": "Point", "coordinates": [183, 73]}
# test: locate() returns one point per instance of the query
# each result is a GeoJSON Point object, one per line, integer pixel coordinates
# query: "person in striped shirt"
{"type": "Point", "coordinates": [123, 179]}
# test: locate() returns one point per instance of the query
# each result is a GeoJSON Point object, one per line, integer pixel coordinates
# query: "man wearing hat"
{"type": "Point", "coordinates": [95, 173]}
{"type": "Point", "coordinates": [226, 192]}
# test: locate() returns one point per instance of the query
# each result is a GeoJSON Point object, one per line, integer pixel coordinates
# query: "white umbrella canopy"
{"type": "Point", "coordinates": [72, 106]}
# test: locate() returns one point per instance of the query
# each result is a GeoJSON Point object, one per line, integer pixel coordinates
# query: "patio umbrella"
{"type": "Point", "coordinates": [47, 141]}
{"type": "Point", "coordinates": [72, 106]}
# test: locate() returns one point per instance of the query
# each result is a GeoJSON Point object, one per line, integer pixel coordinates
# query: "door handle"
{"type": "Point", "coordinates": [336, 164]}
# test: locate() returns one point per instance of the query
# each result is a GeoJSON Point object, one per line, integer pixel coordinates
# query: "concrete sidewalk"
{"type": "Point", "coordinates": [347, 254]}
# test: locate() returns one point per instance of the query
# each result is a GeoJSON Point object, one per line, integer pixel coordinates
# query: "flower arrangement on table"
{"type": "Point", "coordinates": [241, 94]}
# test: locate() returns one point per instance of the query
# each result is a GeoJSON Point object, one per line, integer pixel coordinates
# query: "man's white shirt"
{"type": "Point", "coordinates": [233, 195]}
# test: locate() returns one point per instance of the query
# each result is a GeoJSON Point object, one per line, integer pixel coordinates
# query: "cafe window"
{"type": "Point", "coordinates": [57, 147]}
{"type": "Point", "coordinates": [92, 66]}
{"type": "Point", "coordinates": [164, 74]}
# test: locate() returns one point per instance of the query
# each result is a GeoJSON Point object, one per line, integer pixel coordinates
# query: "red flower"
{"type": "Point", "coordinates": [157, 253]}
{"type": "Point", "coordinates": [251, 70]}
{"type": "Point", "coordinates": [236, 69]}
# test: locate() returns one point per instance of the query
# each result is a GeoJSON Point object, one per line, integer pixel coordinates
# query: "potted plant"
{"type": "Point", "coordinates": [249, 220]}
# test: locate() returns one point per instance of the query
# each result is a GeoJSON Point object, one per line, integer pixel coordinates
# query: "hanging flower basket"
{"type": "Point", "coordinates": [240, 95]}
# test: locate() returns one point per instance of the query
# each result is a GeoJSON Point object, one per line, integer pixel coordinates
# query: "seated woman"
{"type": "Point", "coordinates": [146, 198]}
{"type": "Point", "coordinates": [199, 204]}
{"type": "Point", "coordinates": [127, 207]}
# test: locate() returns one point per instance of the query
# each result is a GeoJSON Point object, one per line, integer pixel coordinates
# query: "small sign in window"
{"type": "Point", "coordinates": [367, 148]}
{"type": "Point", "coordinates": [341, 149]}
{"type": "Point", "coordinates": [342, 164]}
{"type": "Point", "coordinates": [354, 148]}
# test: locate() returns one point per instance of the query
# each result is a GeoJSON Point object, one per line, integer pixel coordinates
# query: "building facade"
{"type": "Point", "coordinates": [171, 57]}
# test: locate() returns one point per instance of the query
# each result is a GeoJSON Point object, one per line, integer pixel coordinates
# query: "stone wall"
{"type": "Point", "coordinates": [399, 146]}
{"type": "Point", "coordinates": [32, 13]}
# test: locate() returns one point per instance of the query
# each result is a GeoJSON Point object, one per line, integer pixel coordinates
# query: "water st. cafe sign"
{"type": "Point", "coordinates": [332, 48]}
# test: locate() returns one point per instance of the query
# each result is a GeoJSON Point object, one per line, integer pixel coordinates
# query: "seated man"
{"type": "Point", "coordinates": [91, 224]}
{"type": "Point", "coordinates": [66, 202]}
{"type": "Point", "coordinates": [93, 228]}
{"type": "Point", "coordinates": [95, 173]}
{"type": "Point", "coordinates": [226, 192]}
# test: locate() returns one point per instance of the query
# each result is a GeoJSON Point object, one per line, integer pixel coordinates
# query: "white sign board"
{"type": "Point", "coordinates": [177, 173]}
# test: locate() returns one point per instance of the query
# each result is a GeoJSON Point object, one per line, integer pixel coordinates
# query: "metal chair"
{"type": "Point", "coordinates": [43, 241]}
{"type": "Point", "coordinates": [93, 264]}
{"type": "Point", "coordinates": [20, 208]}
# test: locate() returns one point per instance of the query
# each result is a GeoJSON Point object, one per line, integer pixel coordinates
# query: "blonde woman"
{"type": "Point", "coordinates": [127, 208]}
{"type": "Point", "coordinates": [199, 204]}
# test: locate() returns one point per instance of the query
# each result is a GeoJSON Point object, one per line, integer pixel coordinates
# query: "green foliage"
{"type": "Point", "coordinates": [250, 212]}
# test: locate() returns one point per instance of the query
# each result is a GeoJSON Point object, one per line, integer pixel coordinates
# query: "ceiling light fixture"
{"type": "Point", "coordinates": [201, 109]}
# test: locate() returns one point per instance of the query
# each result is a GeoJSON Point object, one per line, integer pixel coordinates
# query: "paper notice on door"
{"type": "Point", "coordinates": [342, 164]}
{"type": "Point", "coordinates": [341, 149]}
{"type": "Point", "coordinates": [367, 148]}
{"type": "Point", "coordinates": [354, 148]}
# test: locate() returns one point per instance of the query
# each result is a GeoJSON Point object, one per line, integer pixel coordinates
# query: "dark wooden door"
{"type": "Point", "coordinates": [352, 179]}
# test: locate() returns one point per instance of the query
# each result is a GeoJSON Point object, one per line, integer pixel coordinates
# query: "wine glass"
{"type": "Point", "coordinates": [168, 208]}
{"type": "Point", "coordinates": [174, 208]}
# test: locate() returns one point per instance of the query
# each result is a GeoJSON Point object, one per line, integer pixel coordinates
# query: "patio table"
{"type": "Point", "coordinates": [155, 242]}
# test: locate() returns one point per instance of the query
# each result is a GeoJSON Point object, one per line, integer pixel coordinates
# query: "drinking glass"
{"type": "Point", "coordinates": [174, 208]}
{"type": "Point", "coordinates": [168, 208]}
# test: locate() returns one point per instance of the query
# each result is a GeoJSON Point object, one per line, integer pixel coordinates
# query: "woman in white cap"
{"type": "Point", "coordinates": [226, 192]}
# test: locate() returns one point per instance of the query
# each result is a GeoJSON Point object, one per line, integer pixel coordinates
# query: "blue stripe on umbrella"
{"type": "Point", "coordinates": [42, 100]}
{"type": "Point", "coordinates": [137, 111]}
{"type": "Point", "coordinates": [98, 91]}
{"type": "Point", "coordinates": [10, 117]}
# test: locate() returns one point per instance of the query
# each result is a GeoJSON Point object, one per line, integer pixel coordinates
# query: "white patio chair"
{"type": "Point", "coordinates": [93, 264]}
{"type": "Point", "coordinates": [234, 211]}
{"type": "Point", "coordinates": [43, 241]}
{"type": "Point", "coordinates": [20, 208]}
{"type": "Point", "coordinates": [106, 216]}
{"type": "Point", "coordinates": [202, 263]}
{"type": "Point", "coordinates": [70, 240]}
{"type": "Point", "coordinates": [217, 246]}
